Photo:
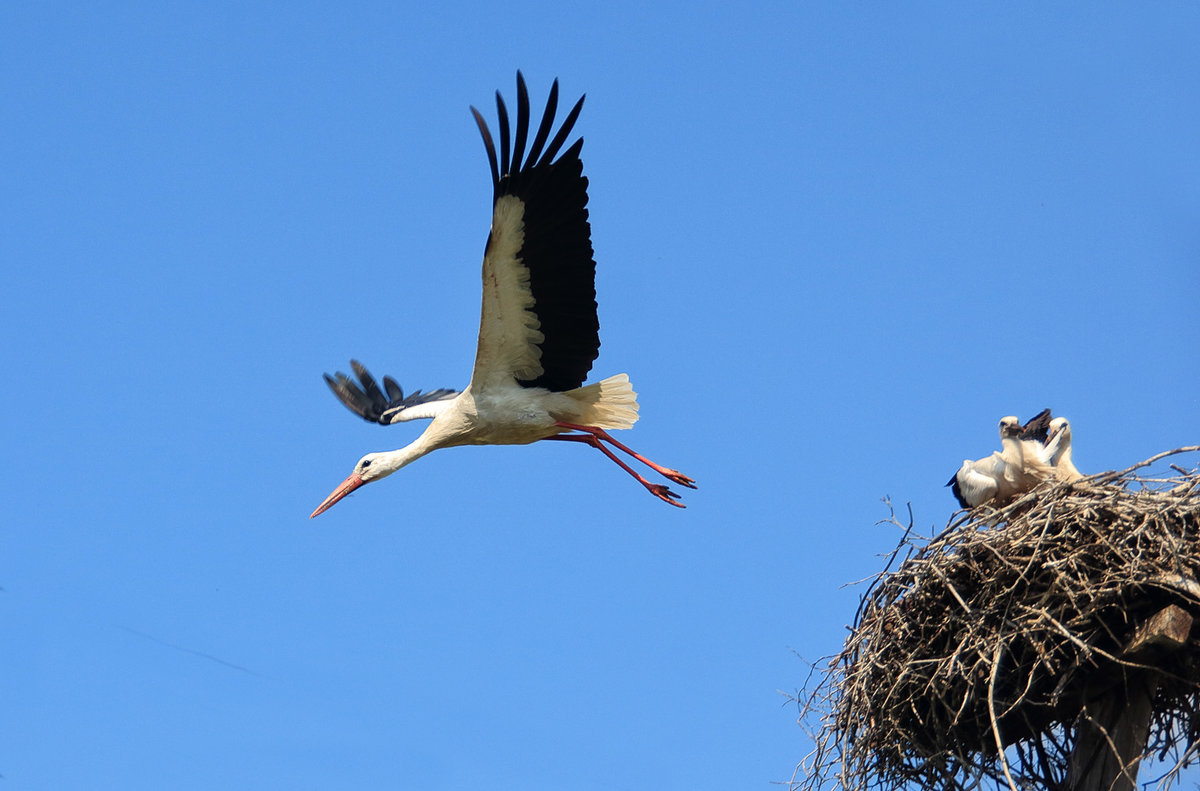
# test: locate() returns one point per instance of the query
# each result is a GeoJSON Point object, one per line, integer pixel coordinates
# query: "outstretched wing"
{"type": "Point", "coordinates": [368, 401]}
{"type": "Point", "coordinates": [538, 323]}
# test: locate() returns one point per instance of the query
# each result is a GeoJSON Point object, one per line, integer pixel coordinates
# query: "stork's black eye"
{"type": "Point", "coordinates": [366, 463]}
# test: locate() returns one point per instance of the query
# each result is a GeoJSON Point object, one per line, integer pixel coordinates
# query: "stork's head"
{"type": "Point", "coordinates": [371, 467]}
{"type": "Point", "coordinates": [1010, 426]}
{"type": "Point", "coordinates": [1060, 425]}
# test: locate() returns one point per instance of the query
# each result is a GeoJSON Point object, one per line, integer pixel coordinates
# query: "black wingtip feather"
{"type": "Point", "coordinates": [956, 490]}
{"type": "Point", "coordinates": [394, 391]}
{"type": "Point", "coordinates": [370, 388]}
{"type": "Point", "coordinates": [349, 395]}
{"type": "Point", "coordinates": [522, 121]}
{"type": "Point", "coordinates": [489, 145]}
{"type": "Point", "coordinates": [544, 127]}
{"type": "Point", "coordinates": [369, 402]}
{"type": "Point", "coordinates": [564, 130]}
{"type": "Point", "coordinates": [502, 111]}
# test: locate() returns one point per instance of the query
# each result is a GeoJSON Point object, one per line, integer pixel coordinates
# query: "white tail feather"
{"type": "Point", "coordinates": [609, 403]}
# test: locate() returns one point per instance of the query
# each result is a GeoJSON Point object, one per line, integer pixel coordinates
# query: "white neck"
{"type": "Point", "coordinates": [1065, 463]}
{"type": "Point", "coordinates": [1012, 449]}
{"type": "Point", "coordinates": [1064, 454]}
{"type": "Point", "coordinates": [387, 462]}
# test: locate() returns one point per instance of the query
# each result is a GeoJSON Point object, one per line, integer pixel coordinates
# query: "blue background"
{"type": "Point", "coordinates": [835, 243]}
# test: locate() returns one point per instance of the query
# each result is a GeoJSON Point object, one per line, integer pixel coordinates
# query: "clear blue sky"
{"type": "Point", "coordinates": [835, 243]}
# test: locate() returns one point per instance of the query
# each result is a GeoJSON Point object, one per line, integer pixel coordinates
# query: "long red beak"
{"type": "Point", "coordinates": [346, 486]}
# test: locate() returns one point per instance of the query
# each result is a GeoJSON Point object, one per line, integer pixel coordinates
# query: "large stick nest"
{"type": "Point", "coordinates": [973, 658]}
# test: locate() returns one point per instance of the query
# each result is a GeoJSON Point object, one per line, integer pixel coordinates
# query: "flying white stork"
{"type": "Point", "coordinates": [538, 333]}
{"type": "Point", "coordinates": [1021, 465]}
{"type": "Point", "coordinates": [1058, 449]}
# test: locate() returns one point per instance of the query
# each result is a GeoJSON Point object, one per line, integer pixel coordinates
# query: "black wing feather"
{"type": "Point", "coordinates": [557, 248]}
{"type": "Point", "coordinates": [502, 111]}
{"type": "Point", "coordinates": [522, 121]}
{"type": "Point", "coordinates": [369, 387]}
{"type": "Point", "coordinates": [1038, 427]}
{"type": "Point", "coordinates": [544, 127]}
{"type": "Point", "coordinates": [487, 144]}
{"type": "Point", "coordinates": [565, 130]}
{"type": "Point", "coordinates": [394, 392]}
{"type": "Point", "coordinates": [957, 491]}
{"type": "Point", "coordinates": [349, 394]}
{"type": "Point", "coordinates": [366, 400]}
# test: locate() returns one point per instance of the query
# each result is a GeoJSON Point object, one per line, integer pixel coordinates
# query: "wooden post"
{"type": "Point", "coordinates": [1112, 729]}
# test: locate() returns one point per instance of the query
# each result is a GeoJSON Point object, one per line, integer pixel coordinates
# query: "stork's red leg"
{"type": "Point", "coordinates": [657, 489]}
{"type": "Point", "coordinates": [666, 472]}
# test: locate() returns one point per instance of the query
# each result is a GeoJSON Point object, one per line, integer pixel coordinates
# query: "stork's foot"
{"type": "Point", "coordinates": [663, 493]}
{"type": "Point", "coordinates": [592, 435]}
{"type": "Point", "coordinates": [678, 477]}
